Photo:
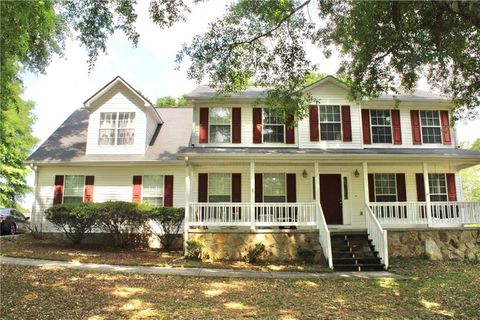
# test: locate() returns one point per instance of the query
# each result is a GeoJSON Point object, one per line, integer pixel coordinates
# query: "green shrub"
{"type": "Point", "coordinates": [305, 254]}
{"type": "Point", "coordinates": [254, 253]}
{"type": "Point", "coordinates": [74, 219]}
{"type": "Point", "coordinates": [170, 220]}
{"type": "Point", "coordinates": [125, 221]}
{"type": "Point", "coordinates": [195, 250]}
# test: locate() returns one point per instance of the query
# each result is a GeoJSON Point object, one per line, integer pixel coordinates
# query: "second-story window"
{"type": "Point", "coordinates": [438, 187]}
{"type": "Point", "coordinates": [431, 129]}
{"type": "Point", "coordinates": [220, 125]}
{"type": "Point", "coordinates": [330, 123]}
{"type": "Point", "coordinates": [381, 123]}
{"type": "Point", "coordinates": [116, 128]}
{"type": "Point", "coordinates": [273, 127]}
{"type": "Point", "coordinates": [385, 187]}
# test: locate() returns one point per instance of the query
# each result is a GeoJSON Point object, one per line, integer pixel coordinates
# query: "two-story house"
{"type": "Point", "coordinates": [342, 177]}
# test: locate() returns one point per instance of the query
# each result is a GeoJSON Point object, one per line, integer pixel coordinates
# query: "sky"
{"type": "Point", "coordinates": [149, 67]}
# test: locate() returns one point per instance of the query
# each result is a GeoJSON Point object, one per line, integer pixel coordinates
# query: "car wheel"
{"type": "Point", "coordinates": [13, 229]}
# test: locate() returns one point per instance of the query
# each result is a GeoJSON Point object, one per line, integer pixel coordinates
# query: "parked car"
{"type": "Point", "coordinates": [13, 221]}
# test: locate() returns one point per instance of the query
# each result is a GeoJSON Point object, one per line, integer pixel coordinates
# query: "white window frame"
{"type": "Point", "coordinates": [430, 177]}
{"type": "Point", "coordinates": [229, 175]}
{"type": "Point", "coordinates": [117, 128]}
{"type": "Point", "coordinates": [385, 194]}
{"type": "Point", "coordinates": [159, 195]}
{"type": "Point", "coordinates": [264, 194]}
{"type": "Point", "coordinates": [320, 121]}
{"type": "Point", "coordinates": [211, 123]}
{"type": "Point", "coordinates": [65, 195]}
{"type": "Point", "coordinates": [429, 126]}
{"type": "Point", "coordinates": [372, 125]}
{"type": "Point", "coordinates": [264, 110]}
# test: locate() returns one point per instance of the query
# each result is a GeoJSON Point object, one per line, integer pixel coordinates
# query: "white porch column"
{"type": "Point", "coordinates": [252, 195]}
{"type": "Point", "coordinates": [317, 183]}
{"type": "Point", "coordinates": [426, 184]}
{"type": "Point", "coordinates": [365, 183]}
{"type": "Point", "coordinates": [186, 226]}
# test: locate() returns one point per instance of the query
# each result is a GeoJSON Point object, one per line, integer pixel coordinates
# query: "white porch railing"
{"type": "Point", "coordinates": [415, 213]}
{"type": "Point", "coordinates": [377, 234]}
{"type": "Point", "coordinates": [219, 214]}
{"type": "Point", "coordinates": [285, 214]}
{"type": "Point", "coordinates": [324, 236]}
{"type": "Point", "coordinates": [239, 214]}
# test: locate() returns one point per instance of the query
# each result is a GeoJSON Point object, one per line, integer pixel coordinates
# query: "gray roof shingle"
{"type": "Point", "coordinates": [68, 142]}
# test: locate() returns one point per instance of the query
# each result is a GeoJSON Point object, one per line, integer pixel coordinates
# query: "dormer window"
{"type": "Point", "coordinates": [116, 128]}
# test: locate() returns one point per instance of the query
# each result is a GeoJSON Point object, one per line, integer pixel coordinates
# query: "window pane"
{"type": "Point", "coordinates": [153, 201]}
{"type": "Point", "coordinates": [431, 135]}
{"type": "Point", "coordinates": [381, 126]}
{"type": "Point", "coordinates": [431, 131]}
{"type": "Point", "coordinates": [125, 119]}
{"type": "Point", "coordinates": [74, 186]}
{"type": "Point", "coordinates": [274, 184]}
{"type": "Point", "coordinates": [385, 187]}
{"type": "Point", "coordinates": [220, 133]}
{"type": "Point", "coordinates": [108, 120]}
{"type": "Point", "coordinates": [276, 199]}
{"type": "Point", "coordinates": [72, 199]}
{"type": "Point", "coordinates": [330, 123]}
{"type": "Point", "coordinates": [106, 137]}
{"type": "Point", "coordinates": [220, 115]}
{"type": "Point", "coordinates": [152, 186]}
{"type": "Point", "coordinates": [273, 133]}
{"type": "Point", "coordinates": [126, 136]}
{"type": "Point", "coordinates": [438, 187]}
{"type": "Point", "coordinates": [219, 199]}
{"type": "Point", "coordinates": [382, 134]}
{"type": "Point", "coordinates": [219, 184]}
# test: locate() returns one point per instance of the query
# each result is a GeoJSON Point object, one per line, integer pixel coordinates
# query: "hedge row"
{"type": "Point", "coordinates": [125, 221]}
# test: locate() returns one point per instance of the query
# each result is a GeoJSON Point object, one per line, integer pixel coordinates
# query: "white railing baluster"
{"type": "Point", "coordinates": [324, 235]}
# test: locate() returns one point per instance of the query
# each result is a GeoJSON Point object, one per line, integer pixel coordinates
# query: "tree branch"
{"type": "Point", "coordinates": [468, 10]}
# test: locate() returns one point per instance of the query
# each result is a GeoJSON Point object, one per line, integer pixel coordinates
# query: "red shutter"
{"type": "Point", "coordinates": [137, 188]}
{"type": "Point", "coordinates": [397, 130]}
{"type": "Point", "coordinates": [257, 125]}
{"type": "Point", "coordinates": [58, 191]}
{"type": "Point", "coordinates": [346, 124]}
{"type": "Point", "coordinates": [401, 187]}
{"type": "Point", "coordinates": [204, 125]}
{"type": "Point", "coordinates": [451, 188]}
{"type": "Point", "coordinates": [258, 187]}
{"type": "Point", "coordinates": [203, 187]}
{"type": "Point", "coordinates": [236, 187]}
{"type": "Point", "coordinates": [416, 133]}
{"type": "Point", "coordinates": [89, 181]}
{"type": "Point", "coordinates": [289, 130]}
{"type": "Point", "coordinates": [236, 125]}
{"type": "Point", "coordinates": [168, 191]}
{"type": "Point", "coordinates": [371, 187]}
{"type": "Point", "coordinates": [367, 138]}
{"type": "Point", "coordinates": [420, 187]}
{"type": "Point", "coordinates": [314, 131]}
{"type": "Point", "coordinates": [291, 187]}
{"type": "Point", "coordinates": [447, 138]}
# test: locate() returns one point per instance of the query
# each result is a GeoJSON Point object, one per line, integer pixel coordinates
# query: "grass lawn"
{"type": "Point", "coordinates": [26, 247]}
{"type": "Point", "coordinates": [432, 291]}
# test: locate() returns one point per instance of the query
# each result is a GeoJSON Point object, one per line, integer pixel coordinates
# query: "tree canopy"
{"type": "Point", "coordinates": [471, 178]}
{"type": "Point", "coordinates": [169, 101]}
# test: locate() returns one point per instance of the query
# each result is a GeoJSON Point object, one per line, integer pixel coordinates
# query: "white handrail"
{"type": "Point", "coordinates": [324, 235]}
{"type": "Point", "coordinates": [377, 234]}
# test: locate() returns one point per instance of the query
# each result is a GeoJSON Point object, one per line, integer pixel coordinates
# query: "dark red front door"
{"type": "Point", "coordinates": [331, 197]}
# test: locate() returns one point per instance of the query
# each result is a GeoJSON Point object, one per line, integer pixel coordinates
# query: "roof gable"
{"type": "Point", "coordinates": [327, 79]}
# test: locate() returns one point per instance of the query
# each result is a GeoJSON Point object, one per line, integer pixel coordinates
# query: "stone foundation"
{"type": "Point", "coordinates": [451, 244]}
{"type": "Point", "coordinates": [281, 244]}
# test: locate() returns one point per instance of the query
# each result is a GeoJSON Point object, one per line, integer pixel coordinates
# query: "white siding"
{"type": "Point", "coordinates": [118, 99]}
{"type": "Point", "coordinates": [111, 183]}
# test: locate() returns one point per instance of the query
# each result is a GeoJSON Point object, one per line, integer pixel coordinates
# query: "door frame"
{"type": "Point", "coordinates": [347, 219]}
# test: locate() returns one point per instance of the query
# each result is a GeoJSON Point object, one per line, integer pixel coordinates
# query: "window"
{"type": "Point", "coordinates": [330, 123]}
{"type": "Point", "coordinates": [273, 127]}
{"type": "Point", "coordinates": [220, 125]}
{"type": "Point", "coordinates": [116, 128]}
{"type": "Point", "coordinates": [219, 187]}
{"type": "Point", "coordinates": [381, 123]}
{"type": "Point", "coordinates": [431, 130]}
{"type": "Point", "coordinates": [438, 187]}
{"type": "Point", "coordinates": [274, 187]}
{"type": "Point", "coordinates": [73, 189]}
{"type": "Point", "coordinates": [385, 187]}
{"type": "Point", "coordinates": [153, 190]}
